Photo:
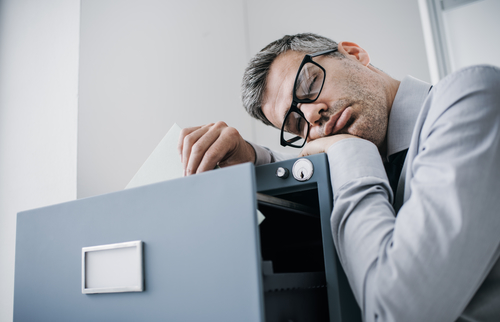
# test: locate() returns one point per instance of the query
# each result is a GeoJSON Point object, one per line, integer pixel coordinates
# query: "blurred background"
{"type": "Point", "coordinates": [88, 88]}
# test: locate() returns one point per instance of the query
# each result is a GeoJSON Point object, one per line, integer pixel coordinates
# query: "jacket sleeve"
{"type": "Point", "coordinates": [264, 155]}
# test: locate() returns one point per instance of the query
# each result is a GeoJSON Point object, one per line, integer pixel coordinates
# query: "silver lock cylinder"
{"type": "Point", "coordinates": [282, 173]}
{"type": "Point", "coordinates": [302, 169]}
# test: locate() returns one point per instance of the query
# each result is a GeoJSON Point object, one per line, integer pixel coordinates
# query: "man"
{"type": "Point", "coordinates": [428, 252]}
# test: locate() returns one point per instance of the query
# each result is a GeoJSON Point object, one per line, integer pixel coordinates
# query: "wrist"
{"type": "Point", "coordinates": [251, 153]}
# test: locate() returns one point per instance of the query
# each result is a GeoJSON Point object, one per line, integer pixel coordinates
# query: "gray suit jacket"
{"type": "Point", "coordinates": [438, 259]}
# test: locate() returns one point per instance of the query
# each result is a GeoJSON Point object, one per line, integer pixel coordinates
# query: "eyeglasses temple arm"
{"type": "Point", "coordinates": [323, 52]}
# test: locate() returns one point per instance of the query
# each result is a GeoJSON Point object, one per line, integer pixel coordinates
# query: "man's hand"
{"type": "Point", "coordinates": [203, 147]}
{"type": "Point", "coordinates": [321, 145]}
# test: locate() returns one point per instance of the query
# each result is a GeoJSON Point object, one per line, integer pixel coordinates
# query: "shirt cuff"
{"type": "Point", "coordinates": [351, 159]}
{"type": "Point", "coordinates": [262, 155]}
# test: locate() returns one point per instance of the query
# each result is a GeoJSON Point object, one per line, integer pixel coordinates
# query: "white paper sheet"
{"type": "Point", "coordinates": [163, 164]}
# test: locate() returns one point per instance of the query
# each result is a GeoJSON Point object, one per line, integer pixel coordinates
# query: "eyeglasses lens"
{"type": "Point", "coordinates": [309, 83]}
{"type": "Point", "coordinates": [295, 130]}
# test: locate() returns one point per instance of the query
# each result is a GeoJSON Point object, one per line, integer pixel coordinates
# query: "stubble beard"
{"type": "Point", "coordinates": [369, 117]}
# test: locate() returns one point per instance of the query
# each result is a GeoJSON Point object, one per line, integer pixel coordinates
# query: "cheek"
{"type": "Point", "coordinates": [331, 91]}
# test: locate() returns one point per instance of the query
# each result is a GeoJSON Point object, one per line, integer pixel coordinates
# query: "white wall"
{"type": "Point", "coordinates": [472, 33]}
{"type": "Point", "coordinates": [147, 64]}
{"type": "Point", "coordinates": [38, 109]}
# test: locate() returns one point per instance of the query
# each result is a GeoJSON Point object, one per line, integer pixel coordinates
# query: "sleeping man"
{"type": "Point", "coordinates": [415, 172]}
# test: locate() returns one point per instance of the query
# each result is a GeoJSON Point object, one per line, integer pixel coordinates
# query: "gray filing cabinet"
{"type": "Point", "coordinates": [205, 256]}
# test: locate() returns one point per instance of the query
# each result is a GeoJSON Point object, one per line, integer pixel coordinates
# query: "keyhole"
{"type": "Point", "coordinates": [302, 174]}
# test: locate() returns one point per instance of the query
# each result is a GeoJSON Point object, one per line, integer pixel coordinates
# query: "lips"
{"type": "Point", "coordinates": [338, 121]}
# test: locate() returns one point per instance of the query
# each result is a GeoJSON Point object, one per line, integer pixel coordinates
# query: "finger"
{"type": "Point", "coordinates": [304, 152]}
{"type": "Point", "coordinates": [182, 135]}
{"type": "Point", "coordinates": [314, 147]}
{"type": "Point", "coordinates": [201, 146]}
{"type": "Point", "coordinates": [189, 141]}
{"type": "Point", "coordinates": [220, 150]}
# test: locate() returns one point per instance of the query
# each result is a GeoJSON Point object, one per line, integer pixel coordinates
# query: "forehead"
{"type": "Point", "coordinates": [279, 86]}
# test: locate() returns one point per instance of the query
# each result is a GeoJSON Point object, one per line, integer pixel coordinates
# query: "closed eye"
{"type": "Point", "coordinates": [309, 88]}
{"type": "Point", "coordinates": [295, 124]}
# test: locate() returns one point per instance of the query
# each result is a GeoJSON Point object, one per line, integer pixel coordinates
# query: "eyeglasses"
{"type": "Point", "coordinates": [306, 89]}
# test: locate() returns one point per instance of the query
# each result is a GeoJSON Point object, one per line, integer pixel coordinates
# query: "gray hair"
{"type": "Point", "coordinates": [255, 77]}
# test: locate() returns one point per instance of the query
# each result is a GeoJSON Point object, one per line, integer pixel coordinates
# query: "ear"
{"type": "Point", "coordinates": [353, 51]}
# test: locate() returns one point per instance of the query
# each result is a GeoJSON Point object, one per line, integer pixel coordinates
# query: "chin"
{"type": "Point", "coordinates": [376, 136]}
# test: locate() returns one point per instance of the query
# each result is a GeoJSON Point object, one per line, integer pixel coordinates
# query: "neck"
{"type": "Point", "coordinates": [390, 87]}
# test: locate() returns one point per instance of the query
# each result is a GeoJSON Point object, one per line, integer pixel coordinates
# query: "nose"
{"type": "Point", "coordinates": [312, 112]}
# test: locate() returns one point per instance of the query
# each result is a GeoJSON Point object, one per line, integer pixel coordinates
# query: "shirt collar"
{"type": "Point", "coordinates": [409, 99]}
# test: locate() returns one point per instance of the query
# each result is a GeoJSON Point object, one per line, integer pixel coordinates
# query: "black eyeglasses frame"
{"type": "Point", "coordinates": [295, 101]}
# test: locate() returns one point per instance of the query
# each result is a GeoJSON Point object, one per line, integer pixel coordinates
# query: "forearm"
{"type": "Point", "coordinates": [362, 217]}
